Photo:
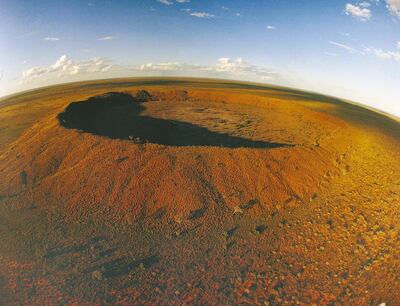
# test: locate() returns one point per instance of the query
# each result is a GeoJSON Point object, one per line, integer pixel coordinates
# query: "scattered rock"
{"type": "Point", "coordinates": [143, 95]}
{"type": "Point", "coordinates": [97, 274]}
{"type": "Point", "coordinates": [279, 285]}
{"type": "Point", "coordinates": [135, 139]}
{"type": "Point", "coordinates": [329, 222]}
{"type": "Point", "coordinates": [261, 228]}
{"type": "Point", "coordinates": [182, 95]}
{"type": "Point", "coordinates": [178, 219]}
{"type": "Point", "coordinates": [237, 210]}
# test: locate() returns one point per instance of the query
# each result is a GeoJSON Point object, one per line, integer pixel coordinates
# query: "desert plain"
{"type": "Point", "coordinates": [196, 191]}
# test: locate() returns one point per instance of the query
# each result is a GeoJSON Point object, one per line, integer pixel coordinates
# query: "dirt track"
{"type": "Point", "coordinates": [214, 192]}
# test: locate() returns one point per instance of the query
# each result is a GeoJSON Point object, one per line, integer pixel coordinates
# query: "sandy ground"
{"type": "Point", "coordinates": [203, 192]}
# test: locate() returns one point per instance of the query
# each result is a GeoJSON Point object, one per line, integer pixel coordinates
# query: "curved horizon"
{"type": "Point", "coordinates": [154, 78]}
{"type": "Point", "coordinates": [343, 48]}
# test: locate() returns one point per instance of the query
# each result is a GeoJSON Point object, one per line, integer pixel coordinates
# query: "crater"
{"type": "Point", "coordinates": [118, 116]}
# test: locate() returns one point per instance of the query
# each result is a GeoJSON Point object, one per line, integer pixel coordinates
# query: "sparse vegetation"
{"type": "Point", "coordinates": [110, 213]}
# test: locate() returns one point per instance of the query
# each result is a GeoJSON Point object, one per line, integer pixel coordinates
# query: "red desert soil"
{"type": "Point", "coordinates": [186, 191]}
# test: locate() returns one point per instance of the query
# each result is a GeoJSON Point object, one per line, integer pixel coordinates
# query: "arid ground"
{"type": "Point", "coordinates": [187, 191]}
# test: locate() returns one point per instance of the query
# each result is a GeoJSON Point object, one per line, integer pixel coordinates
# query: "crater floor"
{"type": "Point", "coordinates": [176, 191]}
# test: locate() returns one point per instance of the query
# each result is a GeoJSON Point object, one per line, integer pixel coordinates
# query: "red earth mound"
{"type": "Point", "coordinates": [174, 191]}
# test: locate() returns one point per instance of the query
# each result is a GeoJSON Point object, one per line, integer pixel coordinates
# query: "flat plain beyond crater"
{"type": "Point", "coordinates": [196, 191]}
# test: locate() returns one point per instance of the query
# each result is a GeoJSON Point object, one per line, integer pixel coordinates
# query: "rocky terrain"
{"type": "Point", "coordinates": [185, 191]}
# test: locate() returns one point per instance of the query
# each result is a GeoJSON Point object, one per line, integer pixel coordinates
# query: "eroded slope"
{"type": "Point", "coordinates": [139, 218]}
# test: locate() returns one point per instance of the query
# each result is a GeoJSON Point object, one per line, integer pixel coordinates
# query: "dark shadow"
{"type": "Point", "coordinates": [117, 115]}
{"type": "Point", "coordinates": [120, 266]}
{"type": "Point", "coordinates": [261, 228]}
{"type": "Point", "coordinates": [198, 213]}
{"type": "Point", "coordinates": [55, 252]}
{"type": "Point", "coordinates": [232, 231]}
{"type": "Point", "coordinates": [249, 204]}
{"type": "Point", "coordinates": [108, 252]}
{"type": "Point", "coordinates": [159, 213]}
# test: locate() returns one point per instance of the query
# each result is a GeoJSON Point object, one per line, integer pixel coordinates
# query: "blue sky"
{"type": "Point", "coordinates": [348, 49]}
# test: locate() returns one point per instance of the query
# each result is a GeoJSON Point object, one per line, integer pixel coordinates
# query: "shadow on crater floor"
{"type": "Point", "coordinates": [117, 115]}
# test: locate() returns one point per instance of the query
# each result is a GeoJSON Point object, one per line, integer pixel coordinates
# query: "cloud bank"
{"type": "Point", "coordinates": [360, 11]}
{"type": "Point", "coordinates": [225, 67]}
{"type": "Point", "coordinates": [394, 7]}
{"type": "Point", "coordinates": [170, 2]}
{"type": "Point", "coordinates": [202, 15]}
{"type": "Point", "coordinates": [51, 39]}
{"type": "Point", "coordinates": [66, 69]}
{"type": "Point", "coordinates": [386, 55]}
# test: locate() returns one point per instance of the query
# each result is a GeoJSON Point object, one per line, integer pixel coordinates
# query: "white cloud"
{"type": "Point", "coordinates": [364, 4]}
{"type": "Point", "coordinates": [386, 55]}
{"type": "Point", "coordinates": [398, 45]}
{"type": "Point", "coordinates": [66, 67]}
{"type": "Point", "coordinates": [1, 75]}
{"type": "Point", "coordinates": [331, 54]}
{"type": "Point", "coordinates": [271, 27]}
{"type": "Point", "coordinates": [225, 67]}
{"type": "Point", "coordinates": [226, 64]}
{"type": "Point", "coordinates": [202, 15]}
{"type": "Point", "coordinates": [51, 39]}
{"type": "Point", "coordinates": [343, 46]}
{"type": "Point", "coordinates": [170, 2]}
{"type": "Point", "coordinates": [394, 7]}
{"type": "Point", "coordinates": [360, 11]}
{"type": "Point", "coordinates": [167, 66]}
{"type": "Point", "coordinates": [166, 2]}
{"type": "Point", "coordinates": [241, 68]}
{"type": "Point", "coordinates": [106, 38]}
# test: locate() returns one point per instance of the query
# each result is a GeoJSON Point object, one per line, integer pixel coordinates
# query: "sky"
{"type": "Point", "coordinates": [347, 49]}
